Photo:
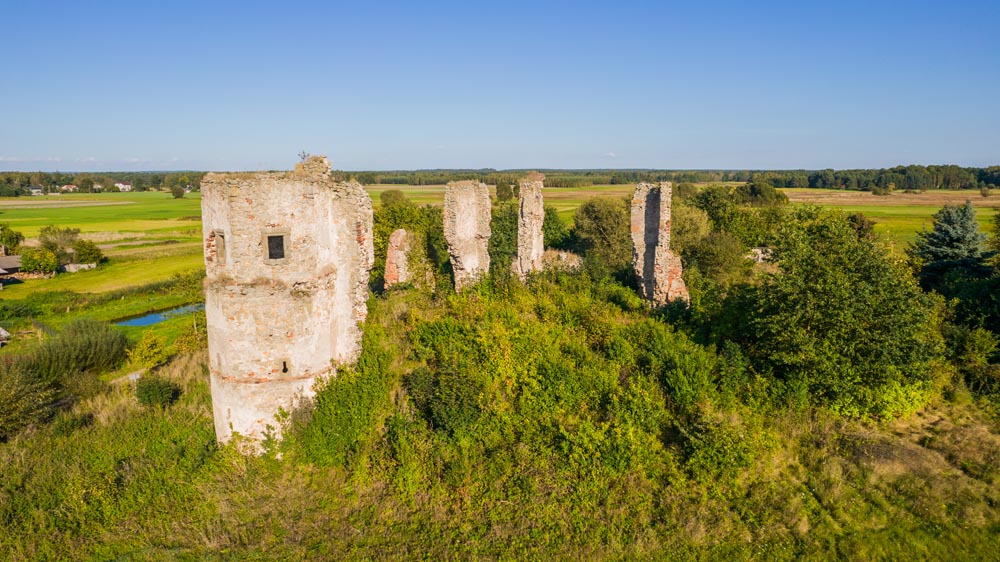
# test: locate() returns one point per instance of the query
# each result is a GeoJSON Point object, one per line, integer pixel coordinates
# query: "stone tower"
{"type": "Point", "coordinates": [287, 257]}
{"type": "Point", "coordinates": [658, 268]}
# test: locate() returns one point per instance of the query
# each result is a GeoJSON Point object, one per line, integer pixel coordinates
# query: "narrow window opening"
{"type": "Point", "coordinates": [276, 247]}
{"type": "Point", "coordinates": [220, 247]}
{"type": "Point", "coordinates": [284, 366]}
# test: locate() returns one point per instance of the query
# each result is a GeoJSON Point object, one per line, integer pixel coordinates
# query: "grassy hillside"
{"type": "Point", "coordinates": [557, 421]}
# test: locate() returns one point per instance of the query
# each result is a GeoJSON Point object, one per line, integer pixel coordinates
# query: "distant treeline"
{"type": "Point", "coordinates": [13, 184]}
{"type": "Point", "coordinates": [917, 178]}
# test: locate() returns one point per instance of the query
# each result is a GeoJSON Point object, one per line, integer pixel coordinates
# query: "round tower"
{"type": "Point", "coordinates": [287, 258]}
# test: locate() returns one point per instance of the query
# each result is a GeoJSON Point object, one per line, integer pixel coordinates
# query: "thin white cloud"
{"type": "Point", "coordinates": [23, 160]}
{"type": "Point", "coordinates": [610, 155]}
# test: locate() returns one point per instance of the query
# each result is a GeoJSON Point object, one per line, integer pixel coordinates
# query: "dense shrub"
{"type": "Point", "coordinates": [10, 239]}
{"type": "Point", "coordinates": [85, 251]}
{"type": "Point", "coordinates": [555, 233]}
{"type": "Point", "coordinates": [155, 391]}
{"type": "Point", "coordinates": [39, 260]}
{"type": "Point", "coordinates": [81, 346]}
{"type": "Point", "coordinates": [424, 223]}
{"type": "Point", "coordinates": [843, 321]}
{"type": "Point", "coordinates": [503, 237]}
{"type": "Point", "coordinates": [346, 407]}
{"type": "Point", "coordinates": [149, 351]}
{"type": "Point", "coordinates": [24, 400]}
{"type": "Point", "coordinates": [58, 240]}
{"type": "Point", "coordinates": [602, 227]}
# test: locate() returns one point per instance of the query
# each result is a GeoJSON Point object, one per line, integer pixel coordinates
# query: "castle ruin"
{"type": "Point", "coordinates": [531, 216]}
{"type": "Point", "coordinates": [467, 213]}
{"type": "Point", "coordinates": [658, 268]}
{"type": "Point", "coordinates": [287, 259]}
{"type": "Point", "coordinates": [397, 258]}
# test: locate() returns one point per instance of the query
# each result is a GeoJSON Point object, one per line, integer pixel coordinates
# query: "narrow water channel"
{"type": "Point", "coordinates": [157, 317]}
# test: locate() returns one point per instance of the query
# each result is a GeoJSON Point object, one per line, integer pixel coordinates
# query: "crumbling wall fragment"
{"type": "Point", "coordinates": [531, 216]}
{"type": "Point", "coordinates": [397, 258]}
{"type": "Point", "coordinates": [657, 267]}
{"type": "Point", "coordinates": [467, 215]}
{"type": "Point", "coordinates": [287, 259]}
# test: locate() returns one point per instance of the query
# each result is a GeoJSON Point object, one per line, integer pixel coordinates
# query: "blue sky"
{"type": "Point", "coordinates": [106, 85]}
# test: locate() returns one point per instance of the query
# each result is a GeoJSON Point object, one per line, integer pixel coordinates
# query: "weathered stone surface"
{"type": "Point", "coordinates": [397, 258]}
{"type": "Point", "coordinates": [659, 270]}
{"type": "Point", "coordinates": [531, 215]}
{"type": "Point", "coordinates": [287, 259]}
{"type": "Point", "coordinates": [467, 230]}
{"type": "Point", "coordinates": [561, 260]}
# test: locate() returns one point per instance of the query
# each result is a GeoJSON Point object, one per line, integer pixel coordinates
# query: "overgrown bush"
{"type": "Point", "coordinates": [58, 240]}
{"type": "Point", "coordinates": [39, 260]}
{"type": "Point", "coordinates": [503, 240]}
{"type": "Point", "coordinates": [82, 346]}
{"type": "Point", "coordinates": [150, 351]}
{"type": "Point", "coordinates": [601, 225]}
{"type": "Point", "coordinates": [24, 400]}
{"type": "Point", "coordinates": [155, 391]}
{"type": "Point", "coordinates": [346, 407]}
{"type": "Point", "coordinates": [85, 251]}
{"type": "Point", "coordinates": [843, 321]}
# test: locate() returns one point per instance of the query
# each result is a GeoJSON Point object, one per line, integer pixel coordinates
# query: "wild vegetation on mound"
{"type": "Point", "coordinates": [818, 405]}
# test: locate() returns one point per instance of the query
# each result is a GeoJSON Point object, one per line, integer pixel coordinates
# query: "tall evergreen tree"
{"type": "Point", "coordinates": [955, 236]}
{"type": "Point", "coordinates": [953, 253]}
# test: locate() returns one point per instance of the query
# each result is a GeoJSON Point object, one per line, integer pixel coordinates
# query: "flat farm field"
{"type": "Point", "coordinates": [149, 237]}
{"type": "Point", "coordinates": [899, 215]}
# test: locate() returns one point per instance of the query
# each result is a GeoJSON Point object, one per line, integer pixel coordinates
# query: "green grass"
{"type": "Point", "coordinates": [900, 215]}
{"type": "Point", "coordinates": [110, 277]}
{"type": "Point", "coordinates": [104, 212]}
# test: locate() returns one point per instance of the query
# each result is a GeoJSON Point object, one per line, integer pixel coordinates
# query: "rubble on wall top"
{"type": "Point", "coordinates": [314, 166]}
{"type": "Point", "coordinates": [464, 183]}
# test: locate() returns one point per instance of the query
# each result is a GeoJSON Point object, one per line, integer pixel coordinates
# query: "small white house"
{"type": "Point", "coordinates": [97, 188]}
{"type": "Point", "coordinates": [36, 190]}
{"type": "Point", "coordinates": [69, 188]}
{"type": "Point", "coordinates": [124, 186]}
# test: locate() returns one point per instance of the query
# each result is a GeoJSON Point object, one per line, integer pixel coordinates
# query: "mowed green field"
{"type": "Point", "coordinates": [900, 215]}
{"type": "Point", "coordinates": [148, 237]}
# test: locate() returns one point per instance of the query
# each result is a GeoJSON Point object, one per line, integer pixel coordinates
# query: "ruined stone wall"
{"type": "Point", "coordinates": [531, 216]}
{"type": "Point", "coordinates": [467, 212]}
{"type": "Point", "coordinates": [397, 258]}
{"type": "Point", "coordinates": [658, 268]}
{"type": "Point", "coordinates": [276, 324]}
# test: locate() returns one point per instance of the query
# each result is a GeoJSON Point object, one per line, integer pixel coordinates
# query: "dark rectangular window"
{"type": "Point", "coordinates": [276, 247]}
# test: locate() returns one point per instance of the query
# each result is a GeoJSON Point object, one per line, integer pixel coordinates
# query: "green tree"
{"type": "Point", "coordinates": [688, 226]}
{"type": "Point", "coordinates": [177, 191]}
{"type": "Point", "coordinates": [601, 225]}
{"type": "Point", "coordinates": [85, 251]}
{"type": "Point", "coordinates": [504, 192]}
{"type": "Point", "coordinates": [955, 235]}
{"type": "Point", "coordinates": [953, 252]}
{"type": "Point", "coordinates": [10, 239]}
{"type": "Point", "coordinates": [58, 240]}
{"type": "Point", "coordinates": [503, 240]}
{"type": "Point", "coordinates": [843, 322]}
{"type": "Point", "coordinates": [392, 197]}
{"type": "Point", "coordinates": [555, 233]}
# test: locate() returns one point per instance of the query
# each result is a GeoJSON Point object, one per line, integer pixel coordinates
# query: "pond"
{"type": "Point", "coordinates": [157, 317]}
